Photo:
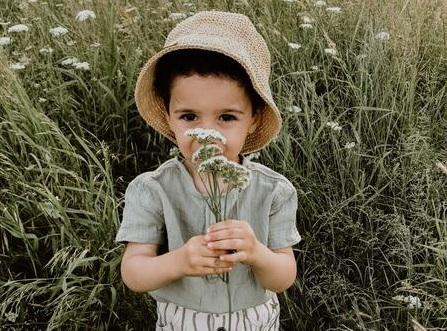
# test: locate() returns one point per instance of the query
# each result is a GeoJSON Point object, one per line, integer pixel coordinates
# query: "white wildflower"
{"type": "Point", "coordinates": [25, 60]}
{"type": "Point", "coordinates": [17, 66]}
{"type": "Point", "coordinates": [95, 45]}
{"type": "Point", "coordinates": [333, 9]}
{"type": "Point", "coordinates": [314, 68]}
{"type": "Point", "coordinates": [206, 135]}
{"type": "Point", "coordinates": [382, 36]}
{"type": "Point", "coordinates": [212, 164]}
{"type": "Point", "coordinates": [177, 16]}
{"type": "Point", "coordinates": [320, 3]}
{"type": "Point", "coordinates": [82, 66]}
{"type": "Point", "coordinates": [69, 61]}
{"type": "Point", "coordinates": [11, 317]}
{"type": "Point", "coordinates": [307, 19]}
{"type": "Point", "coordinates": [330, 51]}
{"type": "Point", "coordinates": [294, 45]}
{"type": "Point", "coordinates": [295, 109]}
{"type": "Point", "coordinates": [71, 42]}
{"type": "Point", "coordinates": [333, 125]}
{"type": "Point", "coordinates": [18, 28]}
{"type": "Point", "coordinates": [306, 26]}
{"type": "Point", "coordinates": [58, 31]}
{"type": "Point", "coordinates": [32, 1]}
{"type": "Point", "coordinates": [42, 100]}
{"type": "Point", "coordinates": [59, 5]}
{"type": "Point", "coordinates": [205, 152]}
{"type": "Point", "coordinates": [412, 301]}
{"type": "Point", "coordinates": [235, 175]}
{"type": "Point", "coordinates": [5, 41]}
{"type": "Point", "coordinates": [174, 151]}
{"type": "Point", "coordinates": [46, 50]}
{"type": "Point", "coordinates": [350, 145]}
{"type": "Point", "coordinates": [84, 15]}
{"type": "Point", "coordinates": [253, 156]}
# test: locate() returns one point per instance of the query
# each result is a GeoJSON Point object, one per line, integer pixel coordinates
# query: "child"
{"type": "Point", "coordinates": [213, 72]}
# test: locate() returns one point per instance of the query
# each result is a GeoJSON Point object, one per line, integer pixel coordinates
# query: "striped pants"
{"type": "Point", "coordinates": [264, 317]}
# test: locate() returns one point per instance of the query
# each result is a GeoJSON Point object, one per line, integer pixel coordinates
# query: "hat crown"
{"type": "Point", "coordinates": [221, 29]}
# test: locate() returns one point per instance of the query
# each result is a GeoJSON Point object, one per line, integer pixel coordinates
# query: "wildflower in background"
{"type": "Point", "coordinates": [71, 42]}
{"type": "Point", "coordinates": [441, 166]}
{"type": "Point", "coordinates": [174, 152]}
{"type": "Point", "coordinates": [46, 50]}
{"type": "Point", "coordinates": [333, 9]}
{"type": "Point", "coordinates": [333, 125]}
{"type": "Point", "coordinates": [295, 45]}
{"type": "Point", "coordinates": [84, 15]}
{"type": "Point", "coordinates": [412, 301]}
{"type": "Point", "coordinates": [307, 20]}
{"type": "Point", "coordinates": [177, 16]}
{"type": "Point", "coordinates": [18, 28]}
{"type": "Point", "coordinates": [295, 109]}
{"type": "Point", "coordinates": [5, 41]}
{"type": "Point", "coordinates": [95, 45]}
{"type": "Point", "coordinates": [42, 100]}
{"type": "Point", "coordinates": [350, 145]}
{"type": "Point", "coordinates": [82, 66]}
{"type": "Point", "coordinates": [69, 61]}
{"type": "Point", "coordinates": [314, 68]}
{"type": "Point", "coordinates": [382, 36]}
{"type": "Point", "coordinates": [306, 26]}
{"type": "Point", "coordinates": [58, 31]}
{"type": "Point", "coordinates": [17, 66]}
{"type": "Point", "coordinates": [25, 60]}
{"type": "Point", "coordinates": [320, 3]}
{"type": "Point", "coordinates": [330, 51]}
{"type": "Point", "coordinates": [253, 156]}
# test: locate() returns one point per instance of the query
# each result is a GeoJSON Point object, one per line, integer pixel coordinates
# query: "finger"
{"type": "Point", "coordinates": [224, 225]}
{"type": "Point", "coordinates": [226, 244]}
{"type": "Point", "coordinates": [217, 263]}
{"type": "Point", "coordinates": [225, 234]}
{"type": "Point", "coordinates": [240, 256]}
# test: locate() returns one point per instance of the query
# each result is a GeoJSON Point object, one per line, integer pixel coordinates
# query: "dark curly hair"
{"type": "Point", "coordinates": [186, 62]}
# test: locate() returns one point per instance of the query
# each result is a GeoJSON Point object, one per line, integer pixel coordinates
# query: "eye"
{"type": "Point", "coordinates": [187, 117]}
{"type": "Point", "coordinates": [228, 118]}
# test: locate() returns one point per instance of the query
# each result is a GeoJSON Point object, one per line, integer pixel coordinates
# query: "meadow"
{"type": "Point", "coordinates": [362, 90]}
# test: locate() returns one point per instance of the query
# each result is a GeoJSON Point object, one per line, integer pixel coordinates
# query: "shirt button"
{"type": "Point", "coordinates": [220, 329]}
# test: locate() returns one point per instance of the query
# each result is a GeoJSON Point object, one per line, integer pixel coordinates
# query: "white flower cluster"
{"type": "Point", "coordinates": [205, 152]}
{"type": "Point", "coordinates": [295, 109]}
{"type": "Point", "coordinates": [412, 301]}
{"type": "Point", "coordinates": [84, 15]}
{"type": "Point", "coordinates": [5, 41]}
{"type": "Point", "coordinates": [333, 9]}
{"type": "Point", "coordinates": [74, 62]}
{"type": "Point", "coordinates": [320, 3]}
{"type": "Point", "coordinates": [350, 145]}
{"type": "Point", "coordinates": [382, 36]}
{"type": "Point", "coordinates": [235, 175]}
{"type": "Point", "coordinates": [333, 125]}
{"type": "Point", "coordinates": [206, 135]}
{"type": "Point", "coordinates": [330, 51]}
{"type": "Point", "coordinates": [58, 31]}
{"type": "Point", "coordinates": [295, 45]}
{"type": "Point", "coordinates": [18, 28]}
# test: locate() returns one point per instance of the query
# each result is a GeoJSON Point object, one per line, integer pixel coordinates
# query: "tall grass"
{"type": "Point", "coordinates": [373, 214]}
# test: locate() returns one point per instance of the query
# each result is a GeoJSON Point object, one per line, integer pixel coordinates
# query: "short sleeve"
{"type": "Point", "coordinates": [282, 229]}
{"type": "Point", "coordinates": [143, 220]}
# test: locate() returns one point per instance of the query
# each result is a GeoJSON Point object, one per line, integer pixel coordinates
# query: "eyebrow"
{"type": "Point", "coordinates": [186, 110]}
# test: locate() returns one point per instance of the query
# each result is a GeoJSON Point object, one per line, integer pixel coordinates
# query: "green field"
{"type": "Point", "coordinates": [362, 91]}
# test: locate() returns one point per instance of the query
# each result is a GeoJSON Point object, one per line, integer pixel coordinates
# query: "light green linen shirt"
{"type": "Point", "coordinates": [164, 207]}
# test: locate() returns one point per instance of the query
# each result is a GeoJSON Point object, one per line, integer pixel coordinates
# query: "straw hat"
{"type": "Point", "coordinates": [228, 33]}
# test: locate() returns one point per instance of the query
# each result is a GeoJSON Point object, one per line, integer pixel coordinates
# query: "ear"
{"type": "Point", "coordinates": [256, 121]}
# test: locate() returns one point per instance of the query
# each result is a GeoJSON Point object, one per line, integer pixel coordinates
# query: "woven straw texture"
{"type": "Point", "coordinates": [231, 34]}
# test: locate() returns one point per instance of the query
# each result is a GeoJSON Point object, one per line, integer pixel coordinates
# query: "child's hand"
{"type": "Point", "coordinates": [233, 235]}
{"type": "Point", "coordinates": [199, 260]}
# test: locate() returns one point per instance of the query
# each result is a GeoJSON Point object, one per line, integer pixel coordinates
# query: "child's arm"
{"type": "Point", "coordinates": [281, 260]}
{"type": "Point", "coordinates": [142, 270]}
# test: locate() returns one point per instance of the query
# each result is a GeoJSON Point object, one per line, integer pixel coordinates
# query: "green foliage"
{"type": "Point", "coordinates": [372, 202]}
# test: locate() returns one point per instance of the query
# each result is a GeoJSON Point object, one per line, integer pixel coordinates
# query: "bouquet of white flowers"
{"type": "Point", "coordinates": [215, 170]}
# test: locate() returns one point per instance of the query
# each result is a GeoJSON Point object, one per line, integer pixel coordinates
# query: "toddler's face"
{"type": "Point", "coordinates": [212, 103]}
